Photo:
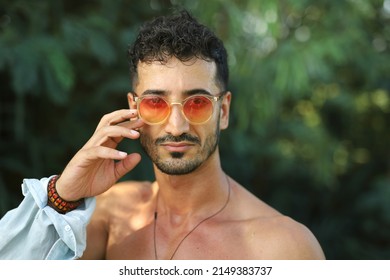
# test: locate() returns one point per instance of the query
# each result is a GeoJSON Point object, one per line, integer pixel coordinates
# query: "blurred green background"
{"type": "Point", "coordinates": [309, 130]}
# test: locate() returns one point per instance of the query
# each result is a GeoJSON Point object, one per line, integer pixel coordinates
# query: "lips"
{"type": "Point", "coordinates": [178, 147]}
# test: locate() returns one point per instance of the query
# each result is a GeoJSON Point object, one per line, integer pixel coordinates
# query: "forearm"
{"type": "Point", "coordinates": [34, 230]}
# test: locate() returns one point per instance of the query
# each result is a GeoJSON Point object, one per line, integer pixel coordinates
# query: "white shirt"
{"type": "Point", "coordinates": [34, 230]}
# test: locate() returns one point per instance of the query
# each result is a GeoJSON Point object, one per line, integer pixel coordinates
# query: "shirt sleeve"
{"type": "Point", "coordinates": [34, 230]}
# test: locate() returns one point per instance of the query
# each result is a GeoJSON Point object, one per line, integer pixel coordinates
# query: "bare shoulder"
{"type": "Point", "coordinates": [118, 211]}
{"type": "Point", "coordinates": [123, 201]}
{"type": "Point", "coordinates": [274, 235]}
{"type": "Point", "coordinates": [288, 239]}
{"type": "Point", "coordinates": [125, 195]}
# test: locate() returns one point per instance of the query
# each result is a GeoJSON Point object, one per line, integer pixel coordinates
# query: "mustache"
{"type": "Point", "coordinates": [181, 138]}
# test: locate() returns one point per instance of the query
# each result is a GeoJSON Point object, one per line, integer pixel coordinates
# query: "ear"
{"type": "Point", "coordinates": [130, 100]}
{"type": "Point", "coordinates": [225, 110]}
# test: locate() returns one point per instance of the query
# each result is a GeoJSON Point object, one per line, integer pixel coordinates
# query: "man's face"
{"type": "Point", "coordinates": [175, 146]}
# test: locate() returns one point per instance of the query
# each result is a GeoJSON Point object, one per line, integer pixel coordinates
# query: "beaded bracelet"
{"type": "Point", "coordinates": [56, 202]}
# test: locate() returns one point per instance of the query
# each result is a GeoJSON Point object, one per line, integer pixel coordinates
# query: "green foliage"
{"type": "Point", "coordinates": [310, 109]}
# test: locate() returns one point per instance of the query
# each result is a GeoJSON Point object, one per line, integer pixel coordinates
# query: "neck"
{"type": "Point", "coordinates": [186, 202]}
{"type": "Point", "coordinates": [193, 195]}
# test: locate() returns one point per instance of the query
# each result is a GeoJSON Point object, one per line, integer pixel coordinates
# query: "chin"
{"type": "Point", "coordinates": [177, 166]}
{"type": "Point", "coordinates": [177, 155]}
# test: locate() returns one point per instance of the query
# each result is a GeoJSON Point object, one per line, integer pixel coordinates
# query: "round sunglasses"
{"type": "Point", "coordinates": [196, 109]}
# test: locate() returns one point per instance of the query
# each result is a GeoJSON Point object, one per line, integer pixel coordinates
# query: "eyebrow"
{"type": "Point", "coordinates": [154, 92]}
{"type": "Point", "coordinates": [197, 91]}
{"type": "Point", "coordinates": [186, 92]}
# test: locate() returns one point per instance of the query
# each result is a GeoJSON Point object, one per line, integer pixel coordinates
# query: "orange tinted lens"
{"type": "Point", "coordinates": [153, 109]}
{"type": "Point", "coordinates": [198, 109]}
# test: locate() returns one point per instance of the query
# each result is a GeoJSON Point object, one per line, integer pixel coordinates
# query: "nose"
{"type": "Point", "coordinates": [176, 124]}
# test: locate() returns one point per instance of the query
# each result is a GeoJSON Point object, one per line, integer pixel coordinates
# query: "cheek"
{"type": "Point", "coordinates": [151, 131]}
{"type": "Point", "coordinates": [205, 131]}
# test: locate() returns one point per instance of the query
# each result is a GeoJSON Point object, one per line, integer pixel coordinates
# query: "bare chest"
{"type": "Point", "coordinates": [216, 241]}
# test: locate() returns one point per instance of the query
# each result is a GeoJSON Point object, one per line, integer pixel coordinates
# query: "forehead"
{"type": "Point", "coordinates": [176, 76]}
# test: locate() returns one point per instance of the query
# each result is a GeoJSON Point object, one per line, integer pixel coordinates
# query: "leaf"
{"type": "Point", "coordinates": [61, 68]}
{"type": "Point", "coordinates": [102, 48]}
{"type": "Point", "coordinates": [53, 89]}
{"type": "Point", "coordinates": [25, 63]}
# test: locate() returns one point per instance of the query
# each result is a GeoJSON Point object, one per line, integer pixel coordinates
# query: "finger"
{"type": "Point", "coordinates": [117, 117]}
{"type": "Point", "coordinates": [111, 136]}
{"type": "Point", "coordinates": [127, 164]}
{"type": "Point", "coordinates": [134, 124]}
{"type": "Point", "coordinates": [101, 152]}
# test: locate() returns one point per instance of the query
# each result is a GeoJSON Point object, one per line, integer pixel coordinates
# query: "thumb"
{"type": "Point", "coordinates": [127, 164]}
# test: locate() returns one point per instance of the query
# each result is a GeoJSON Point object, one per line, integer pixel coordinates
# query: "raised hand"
{"type": "Point", "coordinates": [98, 164]}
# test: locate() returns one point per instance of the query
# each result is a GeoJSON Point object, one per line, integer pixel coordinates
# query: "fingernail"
{"type": "Point", "coordinates": [133, 132]}
{"type": "Point", "coordinates": [122, 154]}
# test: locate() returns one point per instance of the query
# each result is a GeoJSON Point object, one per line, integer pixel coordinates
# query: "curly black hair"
{"type": "Point", "coordinates": [182, 36]}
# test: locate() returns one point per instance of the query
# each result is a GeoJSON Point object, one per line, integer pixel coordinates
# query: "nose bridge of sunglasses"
{"type": "Point", "coordinates": [179, 109]}
{"type": "Point", "coordinates": [176, 103]}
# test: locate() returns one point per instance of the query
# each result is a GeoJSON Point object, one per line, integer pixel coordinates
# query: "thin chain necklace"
{"type": "Point", "coordinates": [192, 230]}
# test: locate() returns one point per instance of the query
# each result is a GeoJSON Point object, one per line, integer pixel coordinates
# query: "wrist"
{"type": "Point", "coordinates": [56, 201]}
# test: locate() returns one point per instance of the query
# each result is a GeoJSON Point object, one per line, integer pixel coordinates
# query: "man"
{"type": "Point", "coordinates": [193, 210]}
